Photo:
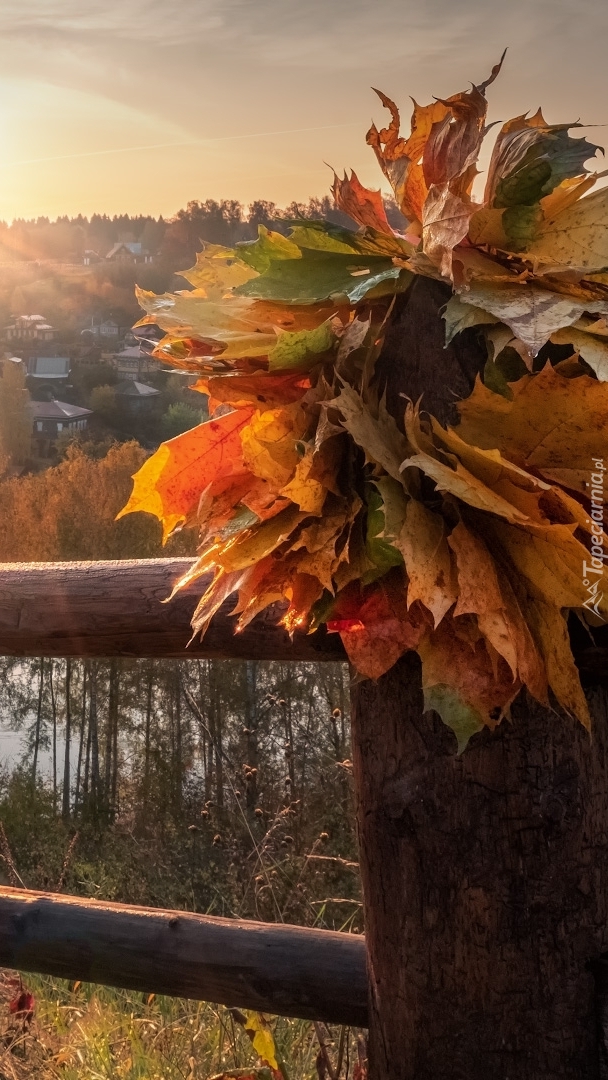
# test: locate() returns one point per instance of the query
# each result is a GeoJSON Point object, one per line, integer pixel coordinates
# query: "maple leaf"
{"type": "Point", "coordinates": [422, 541]}
{"type": "Point", "coordinates": [375, 626]}
{"type": "Point", "coordinates": [378, 436]}
{"type": "Point", "coordinates": [499, 617]}
{"type": "Point", "coordinates": [552, 425]}
{"type": "Point", "coordinates": [217, 271]}
{"type": "Point", "coordinates": [362, 205]}
{"type": "Point", "coordinates": [577, 237]}
{"type": "Point", "coordinates": [462, 680]}
{"type": "Point", "coordinates": [319, 275]}
{"type": "Point", "coordinates": [400, 159]}
{"type": "Point", "coordinates": [532, 312]}
{"type": "Point", "coordinates": [592, 348]}
{"type": "Point", "coordinates": [169, 484]}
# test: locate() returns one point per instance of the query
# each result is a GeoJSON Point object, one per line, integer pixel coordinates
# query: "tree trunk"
{"type": "Point", "coordinates": [94, 739]}
{"type": "Point", "coordinates": [251, 727]}
{"type": "Point", "coordinates": [178, 757]}
{"type": "Point", "coordinates": [485, 874]}
{"type": "Point", "coordinates": [147, 735]}
{"type": "Point", "coordinates": [38, 728]}
{"type": "Point", "coordinates": [65, 801]}
{"type": "Point", "coordinates": [111, 721]}
{"type": "Point", "coordinates": [54, 732]}
{"type": "Point", "coordinates": [81, 740]}
{"type": "Point", "coordinates": [485, 878]}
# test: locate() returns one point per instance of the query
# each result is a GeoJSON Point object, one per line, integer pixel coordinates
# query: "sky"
{"type": "Point", "coordinates": [139, 106]}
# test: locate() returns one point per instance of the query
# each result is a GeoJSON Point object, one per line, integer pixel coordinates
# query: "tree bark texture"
{"type": "Point", "coordinates": [485, 874]}
{"type": "Point", "coordinates": [485, 878]}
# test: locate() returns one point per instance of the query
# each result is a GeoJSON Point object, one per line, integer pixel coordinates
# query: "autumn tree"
{"type": "Point", "coordinates": [414, 458]}
{"type": "Point", "coordinates": [15, 415]}
{"type": "Point", "coordinates": [68, 511]}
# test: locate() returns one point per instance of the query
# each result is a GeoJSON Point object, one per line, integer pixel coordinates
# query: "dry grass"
{"type": "Point", "coordinates": [86, 1032]}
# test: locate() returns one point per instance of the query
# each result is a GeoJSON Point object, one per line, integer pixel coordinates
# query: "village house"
{"type": "Point", "coordinates": [127, 252]}
{"type": "Point", "coordinates": [104, 330]}
{"type": "Point", "coordinates": [136, 396]}
{"type": "Point", "coordinates": [48, 368]}
{"type": "Point", "coordinates": [132, 364]}
{"type": "Point", "coordinates": [52, 419]}
{"type": "Point", "coordinates": [30, 328]}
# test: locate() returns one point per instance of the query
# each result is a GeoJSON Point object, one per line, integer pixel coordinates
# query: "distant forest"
{"type": "Point", "coordinates": [174, 241]}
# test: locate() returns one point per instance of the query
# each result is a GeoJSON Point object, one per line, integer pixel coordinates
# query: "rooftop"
{"type": "Point", "coordinates": [57, 410]}
{"type": "Point", "coordinates": [130, 388]}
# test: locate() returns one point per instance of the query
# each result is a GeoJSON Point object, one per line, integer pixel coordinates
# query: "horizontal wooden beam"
{"type": "Point", "coordinates": [279, 969]}
{"type": "Point", "coordinates": [115, 609]}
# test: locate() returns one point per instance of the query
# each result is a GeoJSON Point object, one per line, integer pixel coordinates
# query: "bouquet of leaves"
{"type": "Point", "coordinates": [470, 543]}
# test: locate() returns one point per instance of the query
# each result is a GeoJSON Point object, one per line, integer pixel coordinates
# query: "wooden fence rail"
{"type": "Point", "coordinates": [284, 970]}
{"type": "Point", "coordinates": [115, 609]}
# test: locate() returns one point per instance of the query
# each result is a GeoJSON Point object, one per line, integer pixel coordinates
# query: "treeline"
{"type": "Point", "coordinates": [68, 511]}
{"type": "Point", "coordinates": [218, 786]}
{"type": "Point", "coordinates": [175, 240]}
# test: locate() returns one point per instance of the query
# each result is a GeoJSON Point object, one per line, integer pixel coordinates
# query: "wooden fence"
{"type": "Point", "coordinates": [115, 609]}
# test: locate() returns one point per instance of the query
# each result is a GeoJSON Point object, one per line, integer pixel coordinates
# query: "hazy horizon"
{"type": "Point", "coordinates": [136, 107]}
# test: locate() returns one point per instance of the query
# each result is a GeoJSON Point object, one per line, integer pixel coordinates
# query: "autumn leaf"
{"type": "Point", "coordinates": [499, 618]}
{"type": "Point", "coordinates": [548, 557]}
{"type": "Point", "coordinates": [375, 626]}
{"type": "Point", "coordinates": [362, 205]}
{"type": "Point", "coordinates": [261, 1037]}
{"type": "Point", "coordinates": [577, 237]}
{"type": "Point", "coordinates": [319, 276]}
{"type": "Point", "coordinates": [223, 585]}
{"type": "Point", "coordinates": [552, 425]}
{"type": "Point", "coordinates": [267, 391]}
{"type": "Point", "coordinates": [217, 271]}
{"type": "Point", "coordinates": [299, 351]}
{"type": "Point", "coordinates": [459, 316]}
{"type": "Point", "coordinates": [530, 160]}
{"type": "Point", "coordinates": [533, 313]}
{"type": "Point", "coordinates": [422, 541]}
{"type": "Point", "coordinates": [593, 349]}
{"type": "Point", "coordinates": [551, 631]}
{"type": "Point", "coordinates": [462, 681]}
{"type": "Point", "coordinates": [445, 222]}
{"type": "Point", "coordinates": [400, 159]}
{"type": "Point", "coordinates": [303, 489]}
{"type": "Point", "coordinates": [380, 546]}
{"type": "Point", "coordinates": [255, 544]}
{"type": "Point", "coordinates": [169, 484]}
{"type": "Point", "coordinates": [379, 436]}
{"type": "Point", "coordinates": [464, 485]}
{"type": "Point", "coordinates": [326, 236]}
{"type": "Point", "coordinates": [269, 443]}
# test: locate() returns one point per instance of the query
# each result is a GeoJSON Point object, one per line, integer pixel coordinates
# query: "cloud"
{"type": "Point", "coordinates": [141, 20]}
{"type": "Point", "coordinates": [216, 69]}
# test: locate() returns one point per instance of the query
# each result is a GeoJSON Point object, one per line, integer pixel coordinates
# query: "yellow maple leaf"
{"type": "Point", "coordinates": [552, 425]}
{"type": "Point", "coordinates": [423, 543]}
{"type": "Point", "coordinates": [261, 1037]}
{"type": "Point", "coordinates": [577, 237]}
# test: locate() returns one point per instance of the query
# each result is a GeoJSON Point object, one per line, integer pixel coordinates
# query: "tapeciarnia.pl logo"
{"type": "Point", "coordinates": [593, 573]}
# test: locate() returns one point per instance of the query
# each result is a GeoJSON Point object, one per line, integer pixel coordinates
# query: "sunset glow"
{"type": "Point", "coordinates": [138, 107]}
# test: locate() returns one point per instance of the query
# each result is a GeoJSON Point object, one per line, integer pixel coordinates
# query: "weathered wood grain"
{"type": "Point", "coordinates": [284, 970]}
{"type": "Point", "coordinates": [116, 609]}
